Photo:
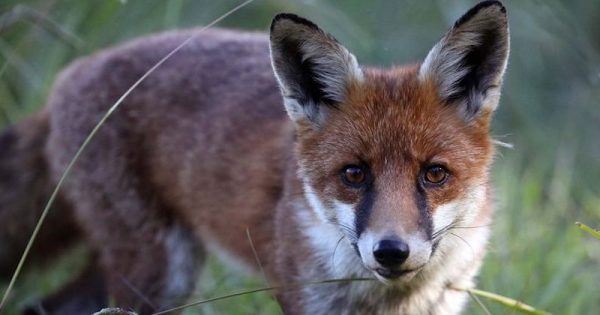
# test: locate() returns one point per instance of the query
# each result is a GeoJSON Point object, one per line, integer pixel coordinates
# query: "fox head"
{"type": "Point", "coordinates": [394, 158]}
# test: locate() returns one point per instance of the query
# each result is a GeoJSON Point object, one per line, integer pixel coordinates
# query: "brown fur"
{"type": "Point", "coordinates": [169, 152]}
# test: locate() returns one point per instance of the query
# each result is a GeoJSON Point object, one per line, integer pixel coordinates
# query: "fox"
{"type": "Point", "coordinates": [278, 148]}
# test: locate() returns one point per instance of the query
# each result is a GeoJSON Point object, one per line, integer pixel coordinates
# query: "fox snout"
{"type": "Point", "coordinates": [393, 257]}
{"type": "Point", "coordinates": [391, 252]}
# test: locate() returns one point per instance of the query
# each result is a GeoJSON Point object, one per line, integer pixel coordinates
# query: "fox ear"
{"type": "Point", "coordinates": [313, 70]}
{"type": "Point", "coordinates": [468, 63]}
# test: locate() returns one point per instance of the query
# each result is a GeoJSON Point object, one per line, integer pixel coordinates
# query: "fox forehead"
{"type": "Point", "coordinates": [391, 119]}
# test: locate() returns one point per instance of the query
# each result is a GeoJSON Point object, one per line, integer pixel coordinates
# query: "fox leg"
{"type": "Point", "coordinates": [149, 269]}
{"type": "Point", "coordinates": [149, 259]}
{"type": "Point", "coordinates": [158, 272]}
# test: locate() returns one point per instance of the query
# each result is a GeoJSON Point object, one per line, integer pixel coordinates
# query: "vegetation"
{"type": "Point", "coordinates": [549, 112]}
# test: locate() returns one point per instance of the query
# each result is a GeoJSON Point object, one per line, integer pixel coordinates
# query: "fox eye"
{"type": "Point", "coordinates": [353, 175]}
{"type": "Point", "coordinates": [435, 174]}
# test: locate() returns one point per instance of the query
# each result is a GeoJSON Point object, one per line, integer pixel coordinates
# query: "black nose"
{"type": "Point", "coordinates": [391, 253]}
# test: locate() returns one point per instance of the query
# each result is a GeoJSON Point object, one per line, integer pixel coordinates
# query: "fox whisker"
{"type": "Point", "coordinates": [334, 251]}
{"type": "Point", "coordinates": [464, 241]}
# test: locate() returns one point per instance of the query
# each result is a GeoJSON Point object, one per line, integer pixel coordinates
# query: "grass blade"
{"type": "Point", "coordinates": [24, 12]}
{"type": "Point", "coordinates": [508, 302]}
{"type": "Point", "coordinates": [257, 290]}
{"type": "Point", "coordinates": [480, 304]}
{"type": "Point", "coordinates": [588, 229]}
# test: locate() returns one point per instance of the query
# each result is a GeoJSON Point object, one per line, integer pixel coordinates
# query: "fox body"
{"type": "Point", "coordinates": [362, 173]}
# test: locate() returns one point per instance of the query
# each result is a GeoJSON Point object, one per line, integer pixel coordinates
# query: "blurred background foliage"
{"type": "Point", "coordinates": [549, 111]}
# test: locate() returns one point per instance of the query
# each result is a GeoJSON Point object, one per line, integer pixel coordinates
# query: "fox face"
{"type": "Point", "coordinates": [394, 158]}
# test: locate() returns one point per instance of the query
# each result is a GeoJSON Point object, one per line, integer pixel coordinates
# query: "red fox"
{"type": "Point", "coordinates": [362, 173]}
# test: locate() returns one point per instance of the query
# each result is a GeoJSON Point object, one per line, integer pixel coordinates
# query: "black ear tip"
{"type": "Point", "coordinates": [489, 3]}
{"type": "Point", "coordinates": [293, 18]}
{"type": "Point", "coordinates": [491, 6]}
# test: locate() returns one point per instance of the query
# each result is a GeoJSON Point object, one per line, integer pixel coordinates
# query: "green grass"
{"type": "Point", "coordinates": [537, 253]}
{"type": "Point", "coordinates": [549, 110]}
